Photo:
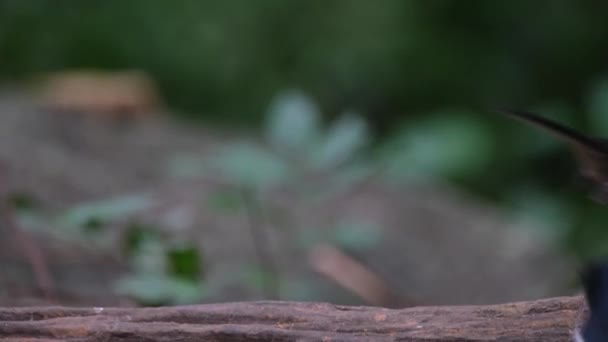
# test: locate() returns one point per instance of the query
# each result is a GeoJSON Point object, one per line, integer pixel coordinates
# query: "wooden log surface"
{"type": "Point", "coordinates": [543, 320]}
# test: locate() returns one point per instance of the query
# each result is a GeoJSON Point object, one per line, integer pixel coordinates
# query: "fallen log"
{"type": "Point", "coordinates": [543, 320]}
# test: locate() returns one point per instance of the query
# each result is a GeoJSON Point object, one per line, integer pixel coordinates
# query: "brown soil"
{"type": "Point", "coordinates": [436, 244]}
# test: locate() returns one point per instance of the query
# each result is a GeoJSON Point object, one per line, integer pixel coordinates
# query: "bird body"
{"type": "Point", "coordinates": [595, 285]}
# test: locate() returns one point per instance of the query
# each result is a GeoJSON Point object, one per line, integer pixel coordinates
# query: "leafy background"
{"type": "Point", "coordinates": [403, 87]}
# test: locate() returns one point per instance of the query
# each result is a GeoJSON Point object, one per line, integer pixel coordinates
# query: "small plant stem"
{"type": "Point", "coordinates": [32, 252]}
{"type": "Point", "coordinates": [255, 219]}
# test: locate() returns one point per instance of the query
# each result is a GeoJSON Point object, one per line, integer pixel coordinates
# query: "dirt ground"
{"type": "Point", "coordinates": [433, 244]}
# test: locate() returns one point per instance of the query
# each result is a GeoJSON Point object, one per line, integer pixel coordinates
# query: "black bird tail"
{"type": "Point", "coordinates": [555, 128]}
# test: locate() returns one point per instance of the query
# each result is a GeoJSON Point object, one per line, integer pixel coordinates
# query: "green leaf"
{"type": "Point", "coordinates": [185, 292]}
{"type": "Point", "coordinates": [344, 139]}
{"type": "Point", "coordinates": [249, 166]}
{"type": "Point", "coordinates": [150, 256]}
{"type": "Point", "coordinates": [22, 201]}
{"type": "Point", "coordinates": [105, 211]}
{"type": "Point", "coordinates": [293, 122]}
{"type": "Point", "coordinates": [137, 235]}
{"type": "Point", "coordinates": [94, 225]}
{"type": "Point", "coordinates": [357, 235]}
{"type": "Point", "coordinates": [226, 201]}
{"type": "Point", "coordinates": [345, 179]}
{"type": "Point", "coordinates": [537, 208]}
{"type": "Point", "coordinates": [158, 289]}
{"type": "Point", "coordinates": [148, 289]}
{"type": "Point", "coordinates": [162, 275]}
{"type": "Point", "coordinates": [445, 145]}
{"type": "Point", "coordinates": [184, 263]}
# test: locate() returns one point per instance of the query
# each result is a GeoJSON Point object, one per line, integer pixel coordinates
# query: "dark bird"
{"type": "Point", "coordinates": [591, 152]}
{"type": "Point", "coordinates": [595, 285]}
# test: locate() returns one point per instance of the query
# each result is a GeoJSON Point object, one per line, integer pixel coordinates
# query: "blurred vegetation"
{"type": "Point", "coordinates": [421, 73]}
{"type": "Point", "coordinates": [225, 59]}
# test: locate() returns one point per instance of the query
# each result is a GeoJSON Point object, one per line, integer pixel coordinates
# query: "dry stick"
{"type": "Point", "coordinates": [31, 251]}
{"type": "Point", "coordinates": [351, 274]}
{"type": "Point", "coordinates": [255, 218]}
{"type": "Point", "coordinates": [355, 277]}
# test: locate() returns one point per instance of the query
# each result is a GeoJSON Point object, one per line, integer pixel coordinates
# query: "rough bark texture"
{"type": "Point", "coordinates": [542, 320]}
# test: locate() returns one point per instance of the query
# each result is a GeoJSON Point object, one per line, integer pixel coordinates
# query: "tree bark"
{"type": "Point", "coordinates": [543, 320]}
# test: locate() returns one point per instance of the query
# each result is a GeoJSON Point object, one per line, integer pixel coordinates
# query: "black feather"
{"type": "Point", "coordinates": [595, 284]}
{"type": "Point", "coordinates": [556, 128]}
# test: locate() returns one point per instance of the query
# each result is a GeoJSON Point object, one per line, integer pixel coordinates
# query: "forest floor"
{"type": "Point", "coordinates": [431, 244]}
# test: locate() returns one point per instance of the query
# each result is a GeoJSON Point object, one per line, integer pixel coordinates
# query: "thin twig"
{"type": "Point", "coordinates": [355, 277]}
{"type": "Point", "coordinates": [30, 250]}
{"type": "Point", "coordinates": [255, 218]}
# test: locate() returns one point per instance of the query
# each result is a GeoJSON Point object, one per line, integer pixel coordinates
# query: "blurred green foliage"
{"type": "Point", "coordinates": [225, 59]}
{"type": "Point", "coordinates": [162, 274]}
{"type": "Point", "coordinates": [417, 69]}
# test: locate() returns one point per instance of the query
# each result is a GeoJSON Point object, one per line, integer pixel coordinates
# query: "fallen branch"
{"type": "Point", "coordinates": [543, 320]}
{"type": "Point", "coordinates": [355, 277]}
